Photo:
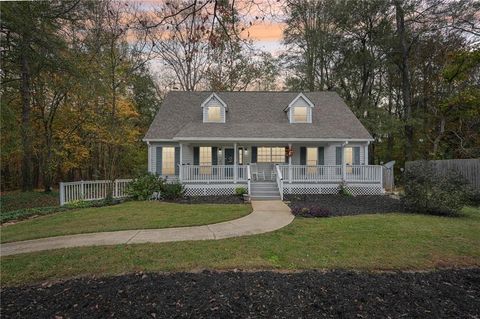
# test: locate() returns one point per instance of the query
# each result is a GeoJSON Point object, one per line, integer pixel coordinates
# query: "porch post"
{"type": "Point", "coordinates": [180, 173]}
{"type": "Point", "coordinates": [290, 165]}
{"type": "Point", "coordinates": [344, 166]}
{"type": "Point", "coordinates": [149, 164]}
{"type": "Point", "coordinates": [365, 154]}
{"type": "Point", "coordinates": [235, 163]}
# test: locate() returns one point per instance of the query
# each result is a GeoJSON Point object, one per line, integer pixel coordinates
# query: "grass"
{"type": "Point", "coordinates": [15, 200]}
{"type": "Point", "coordinates": [365, 242]}
{"type": "Point", "coordinates": [128, 215]}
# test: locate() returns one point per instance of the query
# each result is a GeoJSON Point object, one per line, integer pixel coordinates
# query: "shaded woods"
{"type": "Point", "coordinates": [82, 80]}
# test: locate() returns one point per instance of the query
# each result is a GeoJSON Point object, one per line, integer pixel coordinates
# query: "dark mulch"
{"type": "Point", "coordinates": [337, 294]}
{"type": "Point", "coordinates": [338, 205]}
{"type": "Point", "coordinates": [227, 199]}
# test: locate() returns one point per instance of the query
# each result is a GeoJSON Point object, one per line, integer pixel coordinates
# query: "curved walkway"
{"type": "Point", "coordinates": [266, 216]}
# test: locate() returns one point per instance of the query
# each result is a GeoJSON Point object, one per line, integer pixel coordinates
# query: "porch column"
{"type": "Point", "coordinates": [290, 165]}
{"type": "Point", "coordinates": [235, 162]}
{"type": "Point", "coordinates": [344, 166]}
{"type": "Point", "coordinates": [365, 154]}
{"type": "Point", "coordinates": [149, 148]}
{"type": "Point", "coordinates": [180, 173]}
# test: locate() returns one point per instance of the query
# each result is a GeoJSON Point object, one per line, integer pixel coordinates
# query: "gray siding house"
{"type": "Point", "coordinates": [271, 143]}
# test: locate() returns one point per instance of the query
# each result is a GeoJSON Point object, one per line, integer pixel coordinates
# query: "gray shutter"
{"type": "Point", "coordinates": [356, 155]}
{"type": "Point", "coordinates": [321, 156]}
{"type": "Point", "coordinates": [286, 154]}
{"type": "Point", "coordinates": [196, 155]}
{"type": "Point", "coordinates": [338, 156]}
{"type": "Point", "coordinates": [158, 168]}
{"type": "Point", "coordinates": [303, 155]}
{"type": "Point", "coordinates": [254, 154]}
{"type": "Point", "coordinates": [177, 161]}
{"type": "Point", "coordinates": [214, 155]}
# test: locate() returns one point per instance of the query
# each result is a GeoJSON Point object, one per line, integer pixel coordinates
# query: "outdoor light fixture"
{"type": "Point", "coordinates": [220, 150]}
{"type": "Point", "coordinates": [246, 151]}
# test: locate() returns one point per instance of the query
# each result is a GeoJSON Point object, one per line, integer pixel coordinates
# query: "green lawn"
{"type": "Point", "coordinates": [129, 215]}
{"type": "Point", "coordinates": [18, 200]}
{"type": "Point", "coordinates": [368, 242]}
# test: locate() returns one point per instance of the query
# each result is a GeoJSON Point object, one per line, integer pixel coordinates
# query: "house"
{"type": "Point", "coordinates": [271, 143]}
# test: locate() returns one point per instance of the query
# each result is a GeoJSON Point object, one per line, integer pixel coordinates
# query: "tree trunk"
{"type": "Point", "coordinates": [27, 181]}
{"type": "Point", "coordinates": [404, 70]}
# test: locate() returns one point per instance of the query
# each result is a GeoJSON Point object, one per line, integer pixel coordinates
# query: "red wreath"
{"type": "Point", "coordinates": [289, 152]}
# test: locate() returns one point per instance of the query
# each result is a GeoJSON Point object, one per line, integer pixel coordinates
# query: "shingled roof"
{"type": "Point", "coordinates": [254, 115]}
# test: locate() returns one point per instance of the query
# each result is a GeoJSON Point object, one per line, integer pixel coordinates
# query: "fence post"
{"type": "Point", "coordinates": [82, 190]}
{"type": "Point", "coordinates": [62, 194]}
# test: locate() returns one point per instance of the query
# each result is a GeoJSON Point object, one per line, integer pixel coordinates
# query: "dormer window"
{"type": "Point", "coordinates": [300, 114]}
{"type": "Point", "coordinates": [214, 114]}
{"type": "Point", "coordinates": [214, 109]}
{"type": "Point", "coordinates": [300, 110]}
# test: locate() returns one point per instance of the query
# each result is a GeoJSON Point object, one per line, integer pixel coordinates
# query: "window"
{"type": "Point", "coordinates": [300, 114]}
{"type": "Point", "coordinates": [271, 155]}
{"type": "Point", "coordinates": [205, 156]}
{"type": "Point", "coordinates": [312, 156]}
{"type": "Point", "coordinates": [168, 161]}
{"type": "Point", "coordinates": [240, 156]}
{"type": "Point", "coordinates": [349, 155]}
{"type": "Point", "coordinates": [214, 114]}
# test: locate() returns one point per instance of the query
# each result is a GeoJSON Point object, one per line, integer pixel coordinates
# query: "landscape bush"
{"type": "Point", "coordinates": [432, 193]}
{"type": "Point", "coordinates": [310, 211]}
{"type": "Point", "coordinates": [142, 187]}
{"type": "Point", "coordinates": [240, 191]}
{"type": "Point", "coordinates": [172, 191]}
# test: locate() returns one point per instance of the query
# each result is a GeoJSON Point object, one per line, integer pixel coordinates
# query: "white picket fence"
{"type": "Point", "coordinates": [92, 190]}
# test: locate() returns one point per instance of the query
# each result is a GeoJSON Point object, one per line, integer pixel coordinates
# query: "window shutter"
{"type": "Point", "coordinates": [214, 155]}
{"type": "Point", "coordinates": [356, 155]}
{"type": "Point", "coordinates": [286, 154]}
{"type": "Point", "coordinates": [158, 168]}
{"type": "Point", "coordinates": [303, 155]}
{"type": "Point", "coordinates": [254, 154]}
{"type": "Point", "coordinates": [196, 155]}
{"type": "Point", "coordinates": [321, 156]}
{"type": "Point", "coordinates": [177, 160]}
{"type": "Point", "coordinates": [338, 156]}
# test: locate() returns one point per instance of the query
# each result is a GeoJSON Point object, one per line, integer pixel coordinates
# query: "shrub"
{"type": "Point", "coordinates": [144, 186]}
{"type": "Point", "coordinates": [172, 191]}
{"type": "Point", "coordinates": [426, 191]}
{"type": "Point", "coordinates": [310, 212]}
{"type": "Point", "coordinates": [240, 191]}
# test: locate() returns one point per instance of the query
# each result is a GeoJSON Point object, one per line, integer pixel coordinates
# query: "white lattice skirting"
{"type": "Point", "coordinates": [355, 189]}
{"type": "Point", "coordinates": [212, 189]}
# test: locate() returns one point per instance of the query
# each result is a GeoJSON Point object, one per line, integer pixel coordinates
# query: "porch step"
{"type": "Point", "coordinates": [264, 191]}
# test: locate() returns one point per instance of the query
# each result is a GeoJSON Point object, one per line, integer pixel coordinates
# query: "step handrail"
{"type": "Point", "coordinates": [279, 181]}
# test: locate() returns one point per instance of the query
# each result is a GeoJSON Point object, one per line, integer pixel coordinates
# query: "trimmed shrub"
{"type": "Point", "coordinates": [144, 186]}
{"type": "Point", "coordinates": [431, 193]}
{"type": "Point", "coordinates": [310, 211]}
{"type": "Point", "coordinates": [240, 191]}
{"type": "Point", "coordinates": [172, 191]}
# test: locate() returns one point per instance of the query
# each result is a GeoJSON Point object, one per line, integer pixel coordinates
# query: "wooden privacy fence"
{"type": "Point", "coordinates": [468, 168]}
{"type": "Point", "coordinates": [92, 190]}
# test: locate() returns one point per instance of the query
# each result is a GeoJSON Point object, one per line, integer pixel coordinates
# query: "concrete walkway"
{"type": "Point", "coordinates": [266, 216]}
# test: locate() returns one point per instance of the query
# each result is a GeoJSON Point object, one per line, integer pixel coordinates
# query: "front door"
{"type": "Point", "coordinates": [229, 156]}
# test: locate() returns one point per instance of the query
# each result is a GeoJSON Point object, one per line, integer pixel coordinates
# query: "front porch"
{"type": "Point", "coordinates": [295, 168]}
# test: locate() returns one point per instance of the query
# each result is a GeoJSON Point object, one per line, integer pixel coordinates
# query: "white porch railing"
{"type": "Point", "coordinates": [332, 173]}
{"type": "Point", "coordinates": [279, 177]}
{"type": "Point", "coordinates": [213, 173]}
{"type": "Point", "coordinates": [92, 190]}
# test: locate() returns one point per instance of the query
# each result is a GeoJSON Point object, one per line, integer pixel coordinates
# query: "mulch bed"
{"type": "Point", "coordinates": [338, 205]}
{"type": "Point", "coordinates": [227, 199]}
{"type": "Point", "coordinates": [311, 294]}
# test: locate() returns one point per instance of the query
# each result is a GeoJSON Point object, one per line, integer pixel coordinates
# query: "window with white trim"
{"type": "Point", "coordinates": [270, 155]}
{"type": "Point", "coordinates": [168, 161]}
{"type": "Point", "coordinates": [312, 156]}
{"type": "Point", "coordinates": [205, 156]}
{"type": "Point", "coordinates": [300, 114]}
{"type": "Point", "coordinates": [214, 114]}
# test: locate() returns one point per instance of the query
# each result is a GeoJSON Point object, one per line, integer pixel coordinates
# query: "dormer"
{"type": "Point", "coordinates": [214, 109]}
{"type": "Point", "coordinates": [300, 110]}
